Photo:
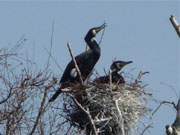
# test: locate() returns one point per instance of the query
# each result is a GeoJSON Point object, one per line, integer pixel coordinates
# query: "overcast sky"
{"type": "Point", "coordinates": [138, 31]}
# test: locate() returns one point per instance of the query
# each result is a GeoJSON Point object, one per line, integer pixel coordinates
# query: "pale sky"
{"type": "Point", "coordinates": [137, 30]}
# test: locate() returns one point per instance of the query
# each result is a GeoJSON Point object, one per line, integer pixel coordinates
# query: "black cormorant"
{"type": "Point", "coordinates": [85, 61]}
{"type": "Point", "coordinates": [116, 77]}
{"type": "Point", "coordinates": [174, 129]}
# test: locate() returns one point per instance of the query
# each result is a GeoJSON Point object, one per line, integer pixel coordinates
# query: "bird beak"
{"type": "Point", "coordinates": [128, 62]}
{"type": "Point", "coordinates": [98, 29]}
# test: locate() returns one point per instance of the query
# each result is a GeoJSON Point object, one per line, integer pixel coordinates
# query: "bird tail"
{"type": "Point", "coordinates": [55, 95]}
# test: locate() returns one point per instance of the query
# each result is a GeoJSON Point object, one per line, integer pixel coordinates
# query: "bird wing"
{"type": "Point", "coordinates": [70, 73]}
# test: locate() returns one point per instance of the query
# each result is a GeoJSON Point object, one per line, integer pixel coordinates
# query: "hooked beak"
{"type": "Point", "coordinates": [124, 64]}
{"type": "Point", "coordinates": [98, 29]}
{"type": "Point", "coordinates": [128, 62]}
{"type": "Point", "coordinates": [118, 65]}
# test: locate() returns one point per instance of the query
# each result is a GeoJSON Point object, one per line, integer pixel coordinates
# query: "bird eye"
{"type": "Point", "coordinates": [94, 32]}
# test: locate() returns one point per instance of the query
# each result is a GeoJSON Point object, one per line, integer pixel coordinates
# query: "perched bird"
{"type": "Point", "coordinates": [85, 61]}
{"type": "Point", "coordinates": [174, 129]}
{"type": "Point", "coordinates": [116, 77]}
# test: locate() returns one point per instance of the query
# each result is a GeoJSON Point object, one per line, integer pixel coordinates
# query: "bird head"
{"type": "Point", "coordinates": [93, 31]}
{"type": "Point", "coordinates": [118, 65]}
{"type": "Point", "coordinates": [169, 130]}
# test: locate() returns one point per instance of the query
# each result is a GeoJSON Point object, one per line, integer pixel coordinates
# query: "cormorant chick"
{"type": "Point", "coordinates": [116, 77]}
{"type": "Point", "coordinates": [174, 129]}
{"type": "Point", "coordinates": [85, 61]}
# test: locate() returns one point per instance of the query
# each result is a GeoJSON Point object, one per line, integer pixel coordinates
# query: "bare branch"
{"type": "Point", "coordinates": [146, 128]}
{"type": "Point", "coordinates": [75, 63]}
{"type": "Point", "coordinates": [102, 34]}
{"type": "Point", "coordinates": [51, 44]}
{"type": "Point", "coordinates": [41, 110]}
{"type": "Point", "coordinates": [120, 117]}
{"type": "Point", "coordinates": [175, 24]}
{"type": "Point", "coordinates": [161, 103]}
{"type": "Point", "coordinates": [8, 96]}
{"type": "Point", "coordinates": [88, 114]}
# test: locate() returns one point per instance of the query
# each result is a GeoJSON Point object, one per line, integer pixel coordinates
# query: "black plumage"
{"type": "Point", "coordinates": [174, 129]}
{"type": "Point", "coordinates": [116, 77]}
{"type": "Point", "coordinates": [85, 61]}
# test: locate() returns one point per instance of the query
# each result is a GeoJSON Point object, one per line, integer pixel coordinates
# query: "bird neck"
{"type": "Point", "coordinates": [93, 45]}
{"type": "Point", "coordinates": [114, 73]}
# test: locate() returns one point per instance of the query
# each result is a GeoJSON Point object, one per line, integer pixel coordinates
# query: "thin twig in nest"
{"type": "Point", "coordinates": [120, 117]}
{"type": "Point", "coordinates": [88, 114]}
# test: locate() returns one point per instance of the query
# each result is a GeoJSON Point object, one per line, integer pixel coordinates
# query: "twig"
{"type": "Point", "coordinates": [18, 44]}
{"type": "Point", "coordinates": [120, 118]}
{"type": "Point", "coordinates": [8, 96]}
{"type": "Point", "coordinates": [55, 61]}
{"type": "Point", "coordinates": [51, 44]}
{"type": "Point", "coordinates": [88, 114]}
{"type": "Point", "coordinates": [110, 79]}
{"type": "Point", "coordinates": [175, 24]}
{"type": "Point", "coordinates": [171, 88]}
{"type": "Point", "coordinates": [102, 35]}
{"type": "Point", "coordinates": [41, 110]}
{"type": "Point", "coordinates": [105, 71]}
{"type": "Point", "coordinates": [161, 103]}
{"type": "Point", "coordinates": [75, 63]}
{"type": "Point", "coordinates": [146, 128]}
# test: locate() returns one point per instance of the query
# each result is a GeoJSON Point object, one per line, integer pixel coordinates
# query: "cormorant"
{"type": "Point", "coordinates": [85, 61]}
{"type": "Point", "coordinates": [174, 129]}
{"type": "Point", "coordinates": [116, 77]}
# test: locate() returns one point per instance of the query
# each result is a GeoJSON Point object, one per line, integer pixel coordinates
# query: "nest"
{"type": "Point", "coordinates": [106, 109]}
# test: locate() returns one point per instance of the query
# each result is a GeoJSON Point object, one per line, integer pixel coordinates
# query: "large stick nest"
{"type": "Point", "coordinates": [106, 109]}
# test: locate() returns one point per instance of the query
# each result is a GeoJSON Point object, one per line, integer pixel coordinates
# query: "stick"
{"type": "Point", "coordinates": [120, 117]}
{"type": "Point", "coordinates": [55, 61]}
{"type": "Point", "coordinates": [163, 102]}
{"type": "Point", "coordinates": [75, 63]}
{"type": "Point", "coordinates": [51, 44]}
{"type": "Point", "coordinates": [41, 111]}
{"type": "Point", "coordinates": [110, 79]}
{"type": "Point", "coordinates": [102, 36]}
{"type": "Point", "coordinates": [175, 24]}
{"type": "Point", "coordinates": [88, 114]}
{"type": "Point", "coordinates": [146, 128]}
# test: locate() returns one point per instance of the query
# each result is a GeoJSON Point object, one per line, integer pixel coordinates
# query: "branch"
{"type": "Point", "coordinates": [75, 63]}
{"type": "Point", "coordinates": [51, 44]}
{"type": "Point", "coordinates": [175, 24]}
{"type": "Point", "coordinates": [161, 103]}
{"type": "Point", "coordinates": [88, 114]}
{"type": "Point", "coordinates": [102, 35]}
{"type": "Point", "coordinates": [8, 96]}
{"type": "Point", "coordinates": [146, 128]}
{"type": "Point", "coordinates": [110, 79]}
{"type": "Point", "coordinates": [120, 118]}
{"type": "Point", "coordinates": [41, 110]}
{"type": "Point", "coordinates": [55, 61]}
